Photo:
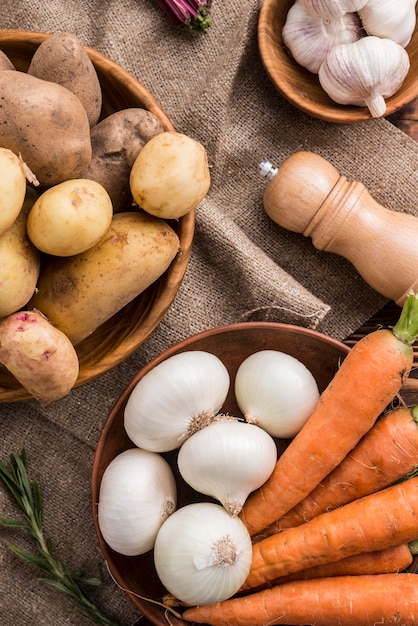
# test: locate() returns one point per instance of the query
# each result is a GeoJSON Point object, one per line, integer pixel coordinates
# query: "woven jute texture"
{"type": "Point", "coordinates": [243, 267]}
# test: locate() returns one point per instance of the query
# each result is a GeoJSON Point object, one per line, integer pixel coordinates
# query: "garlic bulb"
{"type": "Point", "coordinates": [364, 73]}
{"type": "Point", "coordinates": [137, 494]}
{"type": "Point", "coordinates": [202, 555]}
{"type": "Point", "coordinates": [331, 9]}
{"type": "Point", "coordinates": [392, 19]}
{"type": "Point", "coordinates": [276, 391]}
{"type": "Point", "coordinates": [174, 399]}
{"type": "Point", "coordinates": [228, 460]}
{"type": "Point", "coordinates": [309, 37]}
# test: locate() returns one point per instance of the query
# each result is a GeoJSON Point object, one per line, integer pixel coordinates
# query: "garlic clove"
{"type": "Point", "coordinates": [364, 73]}
{"type": "Point", "coordinates": [391, 19]}
{"type": "Point", "coordinates": [332, 9]}
{"type": "Point", "coordinates": [309, 38]}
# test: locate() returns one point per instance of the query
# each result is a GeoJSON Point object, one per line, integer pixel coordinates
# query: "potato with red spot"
{"type": "Point", "coordinates": [39, 356]}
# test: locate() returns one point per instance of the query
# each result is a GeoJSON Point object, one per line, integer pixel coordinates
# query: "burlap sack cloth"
{"type": "Point", "coordinates": [214, 88]}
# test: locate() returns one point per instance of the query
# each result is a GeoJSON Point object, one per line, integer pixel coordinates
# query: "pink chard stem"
{"type": "Point", "coordinates": [192, 13]}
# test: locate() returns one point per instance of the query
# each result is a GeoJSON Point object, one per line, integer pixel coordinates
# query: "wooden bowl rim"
{"type": "Point", "coordinates": [332, 112]}
{"type": "Point", "coordinates": [169, 283]}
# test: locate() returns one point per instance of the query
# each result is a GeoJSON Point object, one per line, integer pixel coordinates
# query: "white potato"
{"type": "Point", "coordinates": [70, 217]}
{"type": "Point", "coordinates": [12, 188]}
{"type": "Point", "coordinates": [20, 262]}
{"type": "Point", "coordinates": [170, 175]}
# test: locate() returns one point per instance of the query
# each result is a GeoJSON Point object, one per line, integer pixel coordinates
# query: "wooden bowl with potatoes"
{"type": "Point", "coordinates": [112, 340]}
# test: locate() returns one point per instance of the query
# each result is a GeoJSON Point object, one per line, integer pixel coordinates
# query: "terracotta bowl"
{"type": "Point", "coordinates": [232, 344]}
{"type": "Point", "coordinates": [302, 88]}
{"type": "Point", "coordinates": [115, 340]}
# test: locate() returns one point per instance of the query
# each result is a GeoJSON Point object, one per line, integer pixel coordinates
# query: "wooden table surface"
{"type": "Point", "coordinates": [407, 120]}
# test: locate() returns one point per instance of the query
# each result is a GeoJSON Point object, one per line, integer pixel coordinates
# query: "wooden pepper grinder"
{"type": "Point", "coordinates": [307, 195]}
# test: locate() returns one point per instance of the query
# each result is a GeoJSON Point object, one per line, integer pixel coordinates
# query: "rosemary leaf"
{"type": "Point", "coordinates": [28, 497]}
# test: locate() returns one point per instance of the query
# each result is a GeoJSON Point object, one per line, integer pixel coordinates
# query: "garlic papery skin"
{"type": "Point", "coordinates": [364, 73]}
{"type": "Point", "coordinates": [228, 460]}
{"type": "Point", "coordinates": [276, 391]}
{"type": "Point", "coordinates": [391, 19]}
{"type": "Point", "coordinates": [309, 38]}
{"type": "Point", "coordinates": [202, 555]}
{"type": "Point", "coordinates": [332, 9]}
{"type": "Point", "coordinates": [137, 494]}
{"type": "Point", "coordinates": [174, 399]}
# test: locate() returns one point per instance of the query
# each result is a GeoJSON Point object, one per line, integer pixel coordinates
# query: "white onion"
{"type": "Point", "coordinates": [137, 494]}
{"type": "Point", "coordinates": [175, 399]}
{"type": "Point", "coordinates": [228, 460]}
{"type": "Point", "coordinates": [276, 391]}
{"type": "Point", "coordinates": [202, 555]}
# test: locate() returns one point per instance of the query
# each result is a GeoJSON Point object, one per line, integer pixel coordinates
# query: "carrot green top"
{"type": "Point", "coordinates": [406, 328]}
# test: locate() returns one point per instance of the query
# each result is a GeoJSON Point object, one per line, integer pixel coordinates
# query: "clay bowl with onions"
{"type": "Point", "coordinates": [302, 88]}
{"type": "Point", "coordinates": [232, 344]}
{"type": "Point", "coordinates": [116, 339]}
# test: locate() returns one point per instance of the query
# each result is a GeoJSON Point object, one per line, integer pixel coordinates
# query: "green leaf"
{"type": "Point", "coordinates": [13, 523]}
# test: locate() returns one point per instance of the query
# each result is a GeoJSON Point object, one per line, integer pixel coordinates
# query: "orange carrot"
{"type": "Point", "coordinates": [367, 381]}
{"type": "Point", "coordinates": [388, 452]}
{"type": "Point", "coordinates": [344, 600]}
{"type": "Point", "coordinates": [376, 522]}
{"type": "Point", "coordinates": [389, 561]}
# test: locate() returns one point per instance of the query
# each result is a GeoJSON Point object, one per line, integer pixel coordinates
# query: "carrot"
{"type": "Point", "coordinates": [389, 561]}
{"type": "Point", "coordinates": [344, 600]}
{"type": "Point", "coordinates": [375, 522]}
{"type": "Point", "coordinates": [367, 381]}
{"type": "Point", "coordinates": [388, 452]}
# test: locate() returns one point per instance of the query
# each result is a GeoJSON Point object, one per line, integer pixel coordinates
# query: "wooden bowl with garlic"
{"type": "Point", "coordinates": [134, 567]}
{"type": "Point", "coordinates": [342, 61]}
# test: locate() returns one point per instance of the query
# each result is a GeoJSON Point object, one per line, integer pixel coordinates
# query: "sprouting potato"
{"type": "Point", "coordinates": [170, 176]}
{"type": "Point", "coordinates": [70, 217]}
{"type": "Point", "coordinates": [12, 188]}
{"type": "Point", "coordinates": [39, 356]}
{"type": "Point", "coordinates": [47, 124]}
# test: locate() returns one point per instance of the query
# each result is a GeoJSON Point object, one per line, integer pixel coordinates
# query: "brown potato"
{"type": "Point", "coordinates": [78, 294]}
{"type": "Point", "coordinates": [116, 142]}
{"type": "Point", "coordinates": [63, 59]}
{"type": "Point", "coordinates": [47, 124]}
{"type": "Point", "coordinates": [20, 263]}
{"type": "Point", "coordinates": [38, 355]}
{"type": "Point", "coordinates": [5, 62]}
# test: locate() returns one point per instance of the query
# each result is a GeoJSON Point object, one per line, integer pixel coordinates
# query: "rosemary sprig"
{"type": "Point", "coordinates": [27, 494]}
